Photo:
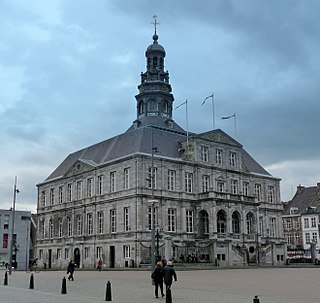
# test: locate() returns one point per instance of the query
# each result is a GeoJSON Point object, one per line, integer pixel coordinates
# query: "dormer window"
{"type": "Point", "coordinates": [293, 210]}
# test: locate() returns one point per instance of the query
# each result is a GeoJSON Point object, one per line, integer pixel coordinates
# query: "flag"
{"type": "Point", "coordinates": [204, 101]}
{"type": "Point", "coordinates": [228, 117]}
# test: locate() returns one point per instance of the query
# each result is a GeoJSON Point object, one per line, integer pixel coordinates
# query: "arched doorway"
{"type": "Point", "coordinates": [203, 224]}
{"type": "Point", "coordinates": [76, 257]}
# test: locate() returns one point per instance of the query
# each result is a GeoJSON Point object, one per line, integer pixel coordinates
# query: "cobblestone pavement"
{"type": "Point", "coordinates": [272, 285]}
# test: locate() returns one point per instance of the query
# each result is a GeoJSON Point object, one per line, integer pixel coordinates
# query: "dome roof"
{"type": "Point", "coordinates": [155, 46]}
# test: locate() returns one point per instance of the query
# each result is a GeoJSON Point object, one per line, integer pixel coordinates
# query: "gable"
{"type": "Point", "coordinates": [79, 167]}
{"type": "Point", "coordinates": [219, 136]}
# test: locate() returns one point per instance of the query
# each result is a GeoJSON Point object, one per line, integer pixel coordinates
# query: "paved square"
{"type": "Point", "coordinates": [272, 285]}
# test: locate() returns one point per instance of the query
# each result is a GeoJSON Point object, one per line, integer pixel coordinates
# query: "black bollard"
{"type": "Point", "coordinates": [5, 278]}
{"type": "Point", "coordinates": [168, 295]}
{"type": "Point", "coordinates": [108, 292]}
{"type": "Point", "coordinates": [256, 299]}
{"type": "Point", "coordinates": [64, 286]}
{"type": "Point", "coordinates": [31, 284]}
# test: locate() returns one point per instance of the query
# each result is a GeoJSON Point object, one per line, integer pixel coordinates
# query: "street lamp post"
{"type": "Point", "coordinates": [15, 191]}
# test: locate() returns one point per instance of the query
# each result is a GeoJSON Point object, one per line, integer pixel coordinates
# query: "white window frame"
{"type": "Point", "coordinates": [205, 183]}
{"type": "Point", "coordinates": [171, 219]}
{"type": "Point", "coordinates": [188, 185]}
{"type": "Point", "coordinates": [204, 153]}
{"type": "Point", "coordinates": [126, 218]}
{"type": "Point", "coordinates": [171, 180]}
{"type": "Point", "coordinates": [113, 220]}
{"type": "Point", "coordinates": [126, 178]}
{"type": "Point", "coordinates": [189, 220]}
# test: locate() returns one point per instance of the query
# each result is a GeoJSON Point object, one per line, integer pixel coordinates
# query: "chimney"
{"type": "Point", "coordinates": [300, 188]}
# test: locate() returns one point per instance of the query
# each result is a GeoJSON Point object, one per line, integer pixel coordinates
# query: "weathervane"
{"type": "Point", "coordinates": [155, 23]}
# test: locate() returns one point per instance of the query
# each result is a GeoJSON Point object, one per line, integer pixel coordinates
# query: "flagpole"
{"type": "Point", "coordinates": [213, 122]}
{"type": "Point", "coordinates": [186, 103]}
{"type": "Point", "coordinates": [187, 122]}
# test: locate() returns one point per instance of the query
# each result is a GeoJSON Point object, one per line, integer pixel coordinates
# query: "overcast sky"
{"type": "Point", "coordinates": [69, 71]}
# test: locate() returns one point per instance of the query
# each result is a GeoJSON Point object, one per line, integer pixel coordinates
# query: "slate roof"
{"type": "Point", "coordinates": [140, 141]}
{"type": "Point", "coordinates": [303, 199]}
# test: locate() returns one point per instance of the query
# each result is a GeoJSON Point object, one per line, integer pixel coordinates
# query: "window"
{"type": "Point", "coordinates": [89, 188]}
{"type": "Point", "coordinates": [270, 194]}
{"type": "Point", "coordinates": [86, 252]}
{"type": "Point", "coordinates": [218, 156]}
{"type": "Point", "coordinates": [313, 222]}
{"type": "Point", "coordinates": [6, 222]}
{"type": "Point", "coordinates": [60, 228]}
{"type": "Point", "coordinates": [189, 221]}
{"type": "Point", "coordinates": [52, 196]}
{"type": "Point", "coordinates": [60, 194]}
{"type": "Point", "coordinates": [307, 238]}
{"type": "Point", "coordinates": [245, 188]}
{"type": "Point", "coordinates": [43, 199]}
{"type": "Point", "coordinates": [69, 192]}
{"type": "Point", "coordinates": [40, 253]}
{"type": "Point", "coordinates": [257, 188]}
{"type": "Point", "coordinates": [100, 185]}
{"type": "Point", "coordinates": [113, 220]}
{"type": "Point", "coordinates": [69, 226]}
{"type": "Point", "coordinates": [100, 222]}
{"type": "Point", "coordinates": [152, 105]}
{"type": "Point", "coordinates": [315, 237]}
{"type": "Point", "coordinates": [221, 222]}
{"type": "Point", "coordinates": [152, 177]}
{"type": "Point", "coordinates": [43, 230]}
{"type": "Point", "coordinates": [297, 238]}
{"type": "Point", "coordinates": [188, 185]}
{"type": "Point", "coordinates": [205, 183]}
{"type": "Point", "coordinates": [126, 220]}
{"type": "Point", "coordinates": [220, 187]}
{"type": "Point", "coordinates": [79, 190]}
{"type": "Point", "coordinates": [288, 224]}
{"type": "Point", "coordinates": [272, 227]}
{"type": "Point", "coordinates": [250, 223]}
{"type": "Point", "coordinates": [99, 252]}
{"type": "Point", "coordinates": [306, 222]}
{"type": "Point", "coordinates": [204, 153]}
{"type": "Point", "coordinates": [236, 223]}
{"type": "Point", "coordinates": [155, 216]}
{"type": "Point", "coordinates": [5, 241]}
{"type": "Point", "coordinates": [126, 251]}
{"type": "Point", "coordinates": [234, 187]}
{"type": "Point", "coordinates": [113, 181]}
{"type": "Point", "coordinates": [233, 159]}
{"type": "Point", "coordinates": [126, 178]}
{"type": "Point", "coordinates": [59, 253]}
{"type": "Point", "coordinates": [50, 229]}
{"type": "Point", "coordinates": [89, 224]}
{"type": "Point", "coordinates": [171, 219]}
{"type": "Point", "coordinates": [79, 225]}
{"type": "Point", "coordinates": [171, 179]}
{"type": "Point", "coordinates": [66, 253]}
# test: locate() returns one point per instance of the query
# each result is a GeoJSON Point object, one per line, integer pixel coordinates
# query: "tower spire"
{"type": "Point", "coordinates": [155, 23]}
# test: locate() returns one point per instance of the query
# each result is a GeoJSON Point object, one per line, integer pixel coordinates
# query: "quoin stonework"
{"type": "Point", "coordinates": [208, 199]}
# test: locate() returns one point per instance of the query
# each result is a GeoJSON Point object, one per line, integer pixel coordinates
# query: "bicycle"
{"type": "Point", "coordinates": [33, 268]}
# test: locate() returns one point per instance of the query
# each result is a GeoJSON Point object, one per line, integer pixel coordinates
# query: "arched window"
{"type": "Point", "coordinates": [236, 222]}
{"type": "Point", "coordinates": [140, 108]}
{"type": "Point", "coordinates": [221, 222]}
{"type": "Point", "coordinates": [155, 61]}
{"type": "Point", "coordinates": [250, 223]}
{"type": "Point", "coordinates": [152, 106]}
{"type": "Point", "coordinates": [203, 223]}
{"type": "Point", "coordinates": [164, 105]}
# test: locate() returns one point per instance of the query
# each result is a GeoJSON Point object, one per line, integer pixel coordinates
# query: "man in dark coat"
{"type": "Point", "coordinates": [168, 275]}
{"type": "Point", "coordinates": [157, 277]}
{"type": "Point", "coordinates": [70, 270]}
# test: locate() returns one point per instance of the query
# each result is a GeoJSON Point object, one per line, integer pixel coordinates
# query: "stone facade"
{"type": "Point", "coordinates": [211, 201]}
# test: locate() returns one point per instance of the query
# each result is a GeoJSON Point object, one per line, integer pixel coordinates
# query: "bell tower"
{"type": "Point", "coordinates": [154, 101]}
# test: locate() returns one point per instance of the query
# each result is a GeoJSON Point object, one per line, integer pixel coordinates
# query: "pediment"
{"type": "Point", "coordinates": [220, 136]}
{"type": "Point", "coordinates": [79, 167]}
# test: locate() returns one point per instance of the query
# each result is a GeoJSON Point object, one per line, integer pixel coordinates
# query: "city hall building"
{"type": "Point", "coordinates": [204, 196]}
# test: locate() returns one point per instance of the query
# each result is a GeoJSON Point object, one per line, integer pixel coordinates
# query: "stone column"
{"type": "Point", "coordinates": [167, 247]}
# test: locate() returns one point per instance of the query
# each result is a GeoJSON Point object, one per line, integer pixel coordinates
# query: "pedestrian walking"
{"type": "Point", "coordinates": [99, 266]}
{"type": "Point", "coordinates": [70, 270]}
{"type": "Point", "coordinates": [157, 277]}
{"type": "Point", "coordinates": [169, 274]}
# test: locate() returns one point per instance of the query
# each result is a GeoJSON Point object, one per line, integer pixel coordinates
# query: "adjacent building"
{"type": "Point", "coordinates": [22, 243]}
{"type": "Point", "coordinates": [206, 197]}
{"type": "Point", "coordinates": [301, 222]}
